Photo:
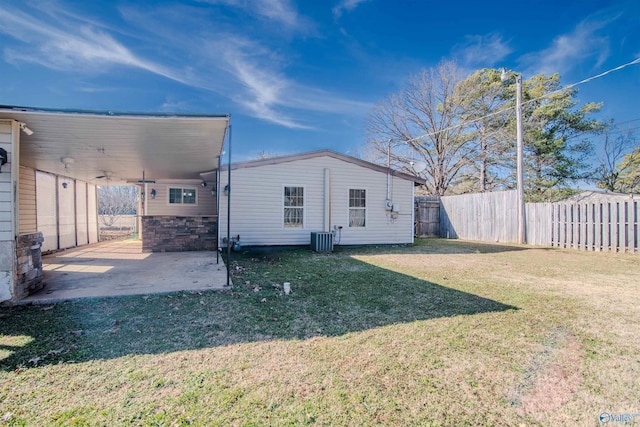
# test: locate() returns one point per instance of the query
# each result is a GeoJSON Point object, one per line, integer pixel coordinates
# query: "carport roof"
{"type": "Point", "coordinates": [120, 144]}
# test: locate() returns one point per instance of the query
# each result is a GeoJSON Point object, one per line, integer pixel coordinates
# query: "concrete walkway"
{"type": "Point", "coordinates": [119, 267]}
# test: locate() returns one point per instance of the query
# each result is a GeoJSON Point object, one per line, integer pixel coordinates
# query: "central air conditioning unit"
{"type": "Point", "coordinates": [322, 241]}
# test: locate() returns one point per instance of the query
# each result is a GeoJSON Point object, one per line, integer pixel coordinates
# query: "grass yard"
{"type": "Point", "coordinates": [441, 333]}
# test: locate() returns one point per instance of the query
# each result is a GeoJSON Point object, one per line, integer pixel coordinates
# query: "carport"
{"type": "Point", "coordinates": [55, 161]}
{"type": "Point", "coordinates": [119, 267]}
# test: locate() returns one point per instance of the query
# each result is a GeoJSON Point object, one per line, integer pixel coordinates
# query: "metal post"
{"type": "Point", "coordinates": [522, 238]}
{"type": "Point", "coordinates": [229, 213]}
{"type": "Point", "coordinates": [218, 209]}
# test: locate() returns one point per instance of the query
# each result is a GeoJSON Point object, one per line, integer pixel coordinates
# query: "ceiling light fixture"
{"type": "Point", "coordinates": [66, 161]}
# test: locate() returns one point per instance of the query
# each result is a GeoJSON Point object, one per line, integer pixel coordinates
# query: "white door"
{"type": "Point", "coordinates": [82, 236]}
{"type": "Point", "coordinates": [66, 212]}
{"type": "Point", "coordinates": [46, 211]}
{"type": "Point", "coordinates": [92, 213]}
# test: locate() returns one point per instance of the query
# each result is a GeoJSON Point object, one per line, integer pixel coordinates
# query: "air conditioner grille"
{"type": "Point", "coordinates": [322, 241]}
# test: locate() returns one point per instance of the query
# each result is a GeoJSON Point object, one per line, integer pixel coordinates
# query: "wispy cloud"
{"type": "Point", "coordinates": [71, 46]}
{"type": "Point", "coordinates": [245, 70]}
{"type": "Point", "coordinates": [279, 11]}
{"type": "Point", "coordinates": [567, 51]}
{"type": "Point", "coordinates": [268, 93]}
{"type": "Point", "coordinates": [345, 5]}
{"type": "Point", "coordinates": [481, 50]}
{"type": "Point", "coordinates": [235, 67]}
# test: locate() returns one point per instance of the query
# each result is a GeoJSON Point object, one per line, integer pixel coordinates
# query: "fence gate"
{"type": "Point", "coordinates": [427, 216]}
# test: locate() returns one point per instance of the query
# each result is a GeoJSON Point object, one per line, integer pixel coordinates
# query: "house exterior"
{"type": "Point", "coordinates": [56, 160]}
{"type": "Point", "coordinates": [281, 200]}
{"type": "Point", "coordinates": [179, 215]}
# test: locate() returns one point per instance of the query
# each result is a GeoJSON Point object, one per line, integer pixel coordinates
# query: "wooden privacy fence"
{"type": "Point", "coordinates": [427, 216]}
{"type": "Point", "coordinates": [603, 223]}
{"type": "Point", "coordinates": [610, 225]}
{"type": "Point", "coordinates": [488, 217]}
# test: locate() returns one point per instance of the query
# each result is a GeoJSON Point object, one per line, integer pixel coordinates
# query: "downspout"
{"type": "Point", "coordinates": [229, 214]}
{"type": "Point", "coordinates": [146, 194]}
{"type": "Point", "coordinates": [389, 171]}
{"type": "Point", "coordinates": [327, 200]}
{"type": "Point", "coordinates": [218, 209]}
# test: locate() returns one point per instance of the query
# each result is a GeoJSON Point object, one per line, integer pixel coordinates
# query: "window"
{"type": "Point", "coordinates": [357, 208]}
{"type": "Point", "coordinates": [293, 207]}
{"type": "Point", "coordinates": [178, 196]}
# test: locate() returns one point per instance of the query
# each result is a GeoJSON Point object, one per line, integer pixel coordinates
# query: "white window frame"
{"type": "Point", "coordinates": [181, 188]}
{"type": "Point", "coordinates": [303, 207]}
{"type": "Point", "coordinates": [365, 209]}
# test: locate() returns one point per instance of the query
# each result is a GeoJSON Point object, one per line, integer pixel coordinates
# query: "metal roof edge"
{"type": "Point", "coordinates": [111, 113]}
{"type": "Point", "coordinates": [320, 153]}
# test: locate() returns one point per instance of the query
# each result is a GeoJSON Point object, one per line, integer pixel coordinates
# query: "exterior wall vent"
{"type": "Point", "coordinates": [322, 241]}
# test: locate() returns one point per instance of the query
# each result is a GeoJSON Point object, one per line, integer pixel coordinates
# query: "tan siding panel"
{"type": "Point", "coordinates": [206, 203]}
{"type": "Point", "coordinates": [27, 201]}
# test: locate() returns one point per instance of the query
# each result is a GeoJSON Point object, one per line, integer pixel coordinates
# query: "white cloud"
{"type": "Point", "coordinates": [280, 11]}
{"type": "Point", "coordinates": [236, 67]}
{"type": "Point", "coordinates": [73, 48]}
{"type": "Point", "coordinates": [345, 5]}
{"type": "Point", "coordinates": [246, 71]}
{"type": "Point", "coordinates": [268, 93]}
{"type": "Point", "coordinates": [566, 51]}
{"type": "Point", "coordinates": [481, 51]}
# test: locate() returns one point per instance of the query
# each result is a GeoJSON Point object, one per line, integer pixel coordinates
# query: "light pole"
{"type": "Point", "coordinates": [522, 235]}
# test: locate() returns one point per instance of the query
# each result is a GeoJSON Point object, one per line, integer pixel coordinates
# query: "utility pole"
{"type": "Point", "coordinates": [522, 233]}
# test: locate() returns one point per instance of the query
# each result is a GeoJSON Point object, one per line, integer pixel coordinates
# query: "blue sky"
{"type": "Point", "coordinates": [300, 76]}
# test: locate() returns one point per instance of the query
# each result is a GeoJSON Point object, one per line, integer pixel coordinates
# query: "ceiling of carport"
{"type": "Point", "coordinates": [123, 145]}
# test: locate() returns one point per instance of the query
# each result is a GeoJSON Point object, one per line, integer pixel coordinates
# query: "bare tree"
{"type": "Point", "coordinates": [614, 149]}
{"type": "Point", "coordinates": [115, 201]}
{"type": "Point", "coordinates": [264, 154]}
{"type": "Point", "coordinates": [420, 123]}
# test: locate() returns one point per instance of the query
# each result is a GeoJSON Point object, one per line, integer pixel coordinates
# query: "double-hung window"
{"type": "Point", "coordinates": [293, 207]}
{"type": "Point", "coordinates": [182, 196]}
{"type": "Point", "coordinates": [357, 207]}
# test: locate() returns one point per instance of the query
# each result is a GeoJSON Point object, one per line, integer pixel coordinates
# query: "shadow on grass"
{"type": "Point", "coordinates": [437, 246]}
{"type": "Point", "coordinates": [332, 295]}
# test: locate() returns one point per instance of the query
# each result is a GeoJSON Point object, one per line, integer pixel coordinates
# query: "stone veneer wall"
{"type": "Point", "coordinates": [29, 268]}
{"type": "Point", "coordinates": [179, 233]}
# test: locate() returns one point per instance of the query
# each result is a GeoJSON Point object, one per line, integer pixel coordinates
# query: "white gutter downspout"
{"type": "Point", "coordinates": [327, 200]}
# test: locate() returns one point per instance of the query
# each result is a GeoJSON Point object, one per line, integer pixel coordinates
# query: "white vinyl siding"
{"type": "Point", "coordinates": [357, 208]}
{"type": "Point", "coordinates": [257, 206]}
{"type": "Point", "coordinates": [8, 137]}
{"type": "Point", "coordinates": [6, 198]}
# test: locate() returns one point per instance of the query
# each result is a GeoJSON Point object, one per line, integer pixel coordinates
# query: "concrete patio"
{"type": "Point", "coordinates": [119, 267]}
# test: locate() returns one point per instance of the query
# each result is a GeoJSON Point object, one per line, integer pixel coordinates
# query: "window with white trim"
{"type": "Point", "coordinates": [182, 196]}
{"type": "Point", "coordinates": [293, 207]}
{"type": "Point", "coordinates": [357, 207]}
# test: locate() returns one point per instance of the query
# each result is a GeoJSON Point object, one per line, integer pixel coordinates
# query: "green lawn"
{"type": "Point", "coordinates": [441, 333]}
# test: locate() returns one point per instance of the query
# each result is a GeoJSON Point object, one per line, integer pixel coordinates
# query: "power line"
{"type": "Point", "coordinates": [495, 113]}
